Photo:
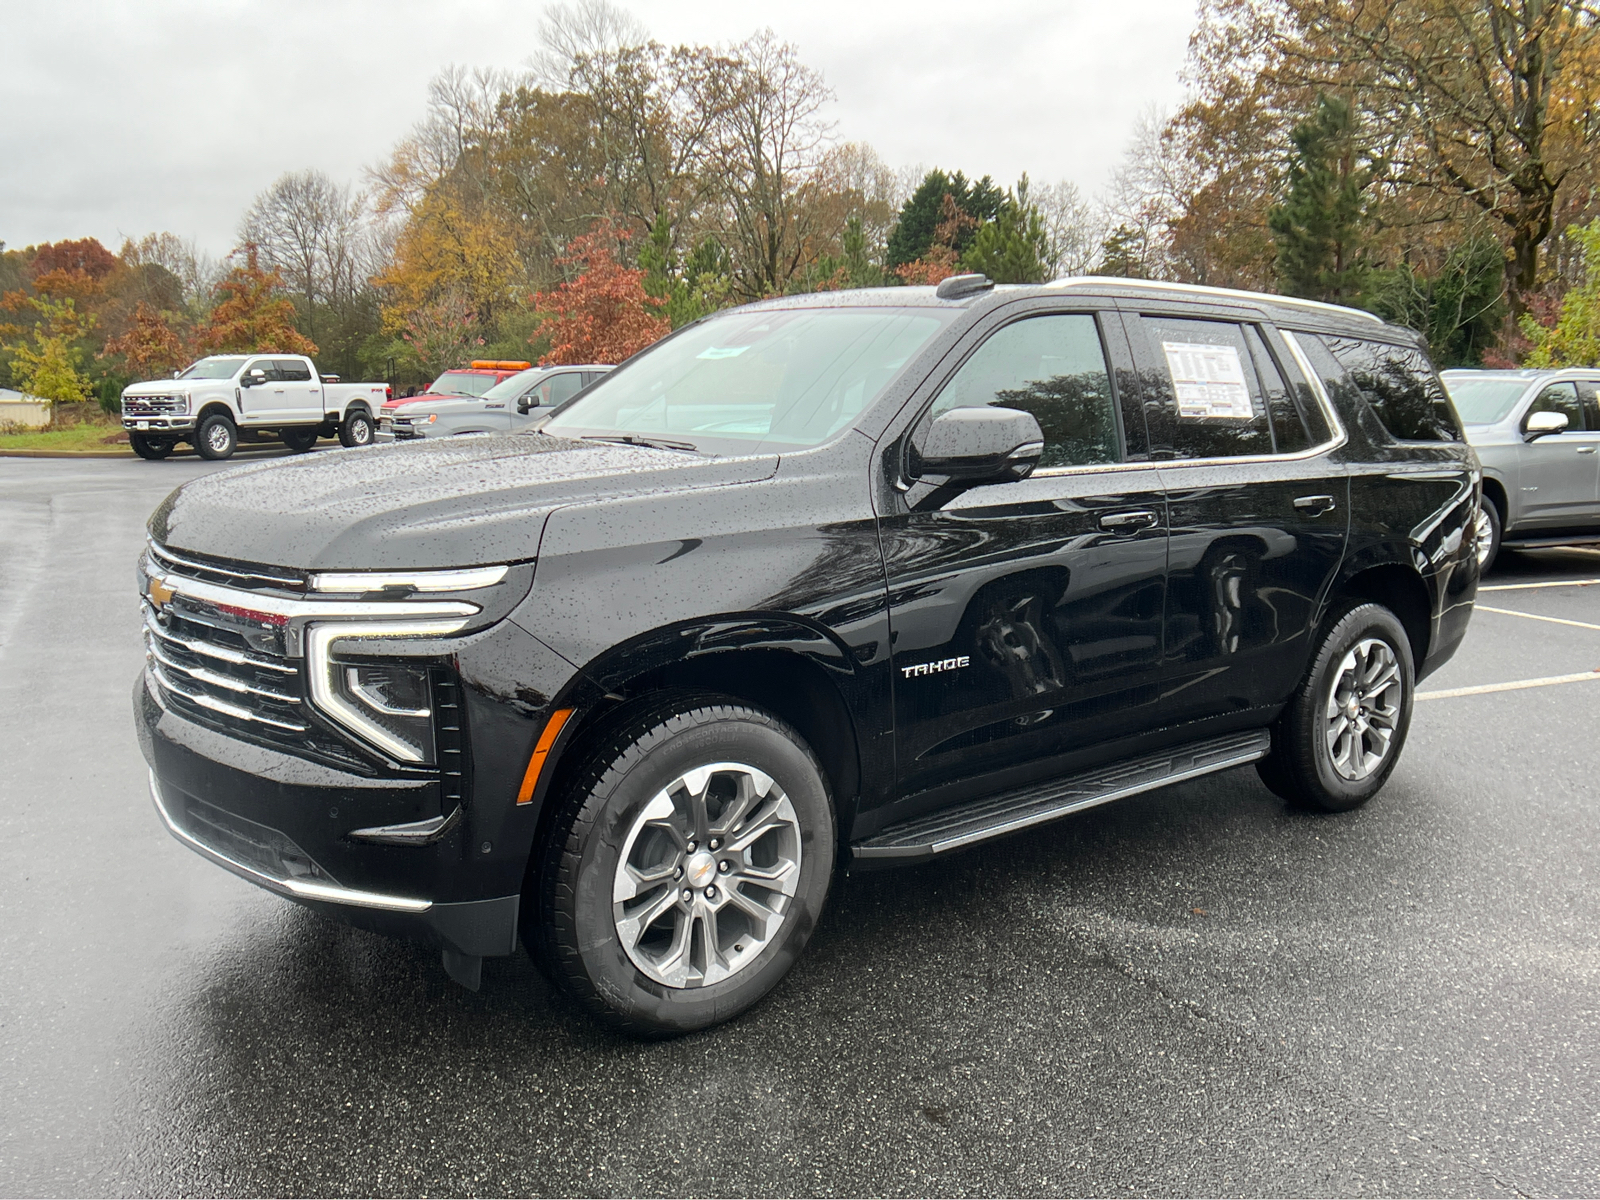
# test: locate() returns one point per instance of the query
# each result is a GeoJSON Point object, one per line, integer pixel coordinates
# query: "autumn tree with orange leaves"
{"type": "Point", "coordinates": [252, 315]}
{"type": "Point", "coordinates": [150, 347]}
{"type": "Point", "coordinates": [604, 315]}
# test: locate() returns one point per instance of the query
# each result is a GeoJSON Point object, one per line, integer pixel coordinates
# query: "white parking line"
{"type": "Point", "coordinates": [1509, 612]}
{"type": "Point", "coordinates": [1514, 686]}
{"type": "Point", "coordinates": [1518, 587]}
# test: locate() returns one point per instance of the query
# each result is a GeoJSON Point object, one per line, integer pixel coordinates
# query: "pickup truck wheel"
{"type": "Point", "coordinates": [299, 440]}
{"type": "Point", "coordinates": [1488, 531]}
{"type": "Point", "coordinates": [216, 438]}
{"type": "Point", "coordinates": [356, 430]}
{"type": "Point", "coordinates": [148, 447]}
{"type": "Point", "coordinates": [1337, 741]}
{"type": "Point", "coordinates": [686, 868]}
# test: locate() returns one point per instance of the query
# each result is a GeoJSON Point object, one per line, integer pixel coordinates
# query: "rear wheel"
{"type": "Point", "coordinates": [1337, 741]}
{"type": "Point", "coordinates": [217, 438]}
{"type": "Point", "coordinates": [299, 440]}
{"type": "Point", "coordinates": [152, 448]}
{"type": "Point", "coordinates": [356, 429]}
{"type": "Point", "coordinates": [686, 868]}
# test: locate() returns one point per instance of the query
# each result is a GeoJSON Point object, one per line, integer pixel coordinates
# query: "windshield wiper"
{"type": "Point", "coordinates": [632, 439]}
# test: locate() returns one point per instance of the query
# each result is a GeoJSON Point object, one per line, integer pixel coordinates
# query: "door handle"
{"type": "Point", "coordinates": [1127, 521]}
{"type": "Point", "coordinates": [1315, 505]}
{"type": "Point", "coordinates": [1585, 449]}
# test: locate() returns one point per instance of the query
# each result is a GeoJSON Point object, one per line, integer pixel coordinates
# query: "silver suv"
{"type": "Point", "coordinates": [1537, 434]}
{"type": "Point", "coordinates": [523, 401]}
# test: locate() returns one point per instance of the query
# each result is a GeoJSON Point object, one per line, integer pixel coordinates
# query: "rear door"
{"type": "Point", "coordinates": [1560, 472]}
{"type": "Point", "coordinates": [1258, 504]}
{"type": "Point", "coordinates": [301, 398]}
{"type": "Point", "coordinates": [1026, 617]}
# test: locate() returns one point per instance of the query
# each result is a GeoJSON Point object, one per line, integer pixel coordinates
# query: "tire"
{"type": "Point", "coordinates": [654, 975]}
{"type": "Point", "coordinates": [147, 447]}
{"type": "Point", "coordinates": [1491, 526]}
{"type": "Point", "coordinates": [1331, 760]}
{"type": "Point", "coordinates": [299, 440]}
{"type": "Point", "coordinates": [356, 428]}
{"type": "Point", "coordinates": [217, 438]}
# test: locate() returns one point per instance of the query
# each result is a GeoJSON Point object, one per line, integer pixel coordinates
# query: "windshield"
{"type": "Point", "coordinates": [213, 368]}
{"type": "Point", "coordinates": [461, 383]}
{"type": "Point", "coordinates": [1483, 400]}
{"type": "Point", "coordinates": [510, 389]}
{"type": "Point", "coordinates": [785, 378]}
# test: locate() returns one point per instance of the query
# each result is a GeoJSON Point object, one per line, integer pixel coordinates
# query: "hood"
{"type": "Point", "coordinates": [438, 404]}
{"type": "Point", "coordinates": [458, 502]}
{"type": "Point", "coordinates": [167, 387]}
{"type": "Point", "coordinates": [426, 397]}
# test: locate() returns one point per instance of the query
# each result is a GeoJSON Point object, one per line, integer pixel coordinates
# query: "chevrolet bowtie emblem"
{"type": "Point", "coordinates": [159, 592]}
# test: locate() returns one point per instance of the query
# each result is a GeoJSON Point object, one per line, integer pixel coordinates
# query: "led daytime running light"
{"type": "Point", "coordinates": [360, 582]}
{"type": "Point", "coordinates": [320, 640]}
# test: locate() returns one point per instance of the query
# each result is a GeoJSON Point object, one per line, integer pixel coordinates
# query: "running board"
{"type": "Point", "coordinates": [952, 828]}
{"type": "Point", "coordinates": [1548, 543]}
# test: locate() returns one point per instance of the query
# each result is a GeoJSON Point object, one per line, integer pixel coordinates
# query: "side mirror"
{"type": "Point", "coordinates": [1541, 424]}
{"type": "Point", "coordinates": [523, 406]}
{"type": "Point", "coordinates": [253, 377]}
{"type": "Point", "coordinates": [980, 445]}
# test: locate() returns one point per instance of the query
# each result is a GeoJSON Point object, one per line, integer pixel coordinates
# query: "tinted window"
{"type": "Point", "coordinates": [1289, 432]}
{"type": "Point", "coordinates": [1590, 395]}
{"type": "Point", "coordinates": [1053, 367]}
{"type": "Point", "coordinates": [782, 377]}
{"type": "Point", "coordinates": [267, 367]}
{"type": "Point", "coordinates": [1559, 398]}
{"type": "Point", "coordinates": [1399, 384]}
{"type": "Point", "coordinates": [564, 387]}
{"type": "Point", "coordinates": [292, 370]}
{"type": "Point", "coordinates": [1203, 399]}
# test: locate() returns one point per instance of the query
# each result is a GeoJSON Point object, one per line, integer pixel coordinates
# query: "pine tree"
{"type": "Point", "coordinates": [1012, 247]}
{"type": "Point", "coordinates": [923, 213]}
{"type": "Point", "coordinates": [1320, 225]}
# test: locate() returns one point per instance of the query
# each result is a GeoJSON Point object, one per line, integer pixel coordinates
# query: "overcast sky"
{"type": "Point", "coordinates": [121, 118]}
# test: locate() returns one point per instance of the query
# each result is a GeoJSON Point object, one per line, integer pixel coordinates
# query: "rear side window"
{"type": "Point", "coordinates": [1399, 385]}
{"type": "Point", "coordinates": [292, 370]}
{"type": "Point", "coordinates": [1205, 399]}
{"type": "Point", "coordinates": [1560, 398]}
{"type": "Point", "coordinates": [1289, 432]}
{"type": "Point", "coordinates": [1053, 367]}
{"type": "Point", "coordinates": [1591, 401]}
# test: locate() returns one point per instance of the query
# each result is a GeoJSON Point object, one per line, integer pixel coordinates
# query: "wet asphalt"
{"type": "Point", "coordinates": [1192, 992]}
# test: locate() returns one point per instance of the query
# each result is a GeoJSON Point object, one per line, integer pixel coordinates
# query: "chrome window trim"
{"type": "Point", "coordinates": [295, 889]}
{"type": "Point", "coordinates": [1339, 438]}
{"type": "Point", "coordinates": [1196, 289]}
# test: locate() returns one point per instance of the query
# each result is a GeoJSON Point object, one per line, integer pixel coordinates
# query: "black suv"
{"type": "Point", "coordinates": [852, 578]}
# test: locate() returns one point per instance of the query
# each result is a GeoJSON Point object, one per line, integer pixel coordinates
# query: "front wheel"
{"type": "Point", "coordinates": [356, 429]}
{"type": "Point", "coordinates": [150, 448]}
{"type": "Point", "coordinates": [217, 438]}
{"type": "Point", "coordinates": [686, 868]}
{"type": "Point", "coordinates": [1337, 741]}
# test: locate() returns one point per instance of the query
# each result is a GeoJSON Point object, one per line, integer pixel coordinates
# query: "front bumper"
{"type": "Point", "coordinates": [158, 424]}
{"type": "Point", "coordinates": [283, 824]}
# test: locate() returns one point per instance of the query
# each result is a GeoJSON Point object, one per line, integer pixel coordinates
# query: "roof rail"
{"type": "Point", "coordinates": [1201, 289]}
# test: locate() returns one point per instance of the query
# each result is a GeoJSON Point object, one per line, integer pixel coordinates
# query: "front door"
{"type": "Point", "coordinates": [1026, 617]}
{"type": "Point", "coordinates": [264, 402]}
{"type": "Point", "coordinates": [1560, 472]}
{"type": "Point", "coordinates": [543, 398]}
{"type": "Point", "coordinates": [1259, 509]}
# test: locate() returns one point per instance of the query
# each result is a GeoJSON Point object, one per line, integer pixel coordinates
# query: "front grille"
{"type": "Point", "coordinates": [229, 574]}
{"type": "Point", "coordinates": [153, 406]}
{"type": "Point", "coordinates": [218, 670]}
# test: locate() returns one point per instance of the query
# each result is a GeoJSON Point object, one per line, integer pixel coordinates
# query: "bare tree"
{"type": "Point", "coordinates": [1073, 226]}
{"type": "Point", "coordinates": [309, 229]}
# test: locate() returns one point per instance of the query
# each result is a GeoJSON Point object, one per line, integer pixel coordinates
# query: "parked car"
{"type": "Point", "coordinates": [1537, 434]}
{"type": "Point", "coordinates": [858, 578]}
{"type": "Point", "coordinates": [521, 402]}
{"type": "Point", "coordinates": [474, 379]}
{"type": "Point", "coordinates": [219, 401]}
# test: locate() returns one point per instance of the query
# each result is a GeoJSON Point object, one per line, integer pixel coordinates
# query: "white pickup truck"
{"type": "Point", "coordinates": [227, 399]}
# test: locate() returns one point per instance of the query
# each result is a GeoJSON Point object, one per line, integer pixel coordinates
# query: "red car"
{"type": "Point", "coordinates": [474, 379]}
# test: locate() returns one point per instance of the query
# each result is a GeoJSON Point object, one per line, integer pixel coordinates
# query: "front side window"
{"type": "Point", "coordinates": [1400, 387]}
{"type": "Point", "coordinates": [1559, 398]}
{"type": "Point", "coordinates": [774, 377]}
{"type": "Point", "coordinates": [1205, 399]}
{"type": "Point", "coordinates": [1053, 367]}
{"type": "Point", "coordinates": [266, 366]}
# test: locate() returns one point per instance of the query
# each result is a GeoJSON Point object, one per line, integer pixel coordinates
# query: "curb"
{"type": "Point", "coordinates": [4, 453]}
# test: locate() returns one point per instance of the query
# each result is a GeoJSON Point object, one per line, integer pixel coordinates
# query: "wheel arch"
{"type": "Point", "coordinates": [212, 408]}
{"type": "Point", "coordinates": [1400, 588]}
{"type": "Point", "coordinates": [1494, 489]}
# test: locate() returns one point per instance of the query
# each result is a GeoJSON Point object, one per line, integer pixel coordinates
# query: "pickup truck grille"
{"type": "Point", "coordinates": [153, 406]}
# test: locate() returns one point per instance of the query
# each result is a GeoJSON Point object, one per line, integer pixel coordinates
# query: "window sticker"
{"type": "Point", "coordinates": [714, 352]}
{"type": "Point", "coordinates": [1209, 381]}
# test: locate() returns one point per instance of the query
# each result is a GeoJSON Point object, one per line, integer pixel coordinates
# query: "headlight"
{"type": "Point", "coordinates": [183, 403]}
{"type": "Point", "coordinates": [386, 703]}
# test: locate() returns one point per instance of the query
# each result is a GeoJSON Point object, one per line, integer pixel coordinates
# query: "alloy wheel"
{"type": "Point", "coordinates": [706, 875]}
{"type": "Point", "coordinates": [1363, 709]}
{"type": "Point", "coordinates": [1483, 530]}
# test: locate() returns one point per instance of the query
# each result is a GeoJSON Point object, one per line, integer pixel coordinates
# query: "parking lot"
{"type": "Point", "coordinates": [1195, 991]}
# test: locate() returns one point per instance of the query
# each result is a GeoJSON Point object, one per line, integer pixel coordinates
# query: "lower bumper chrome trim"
{"type": "Point", "coordinates": [295, 889]}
